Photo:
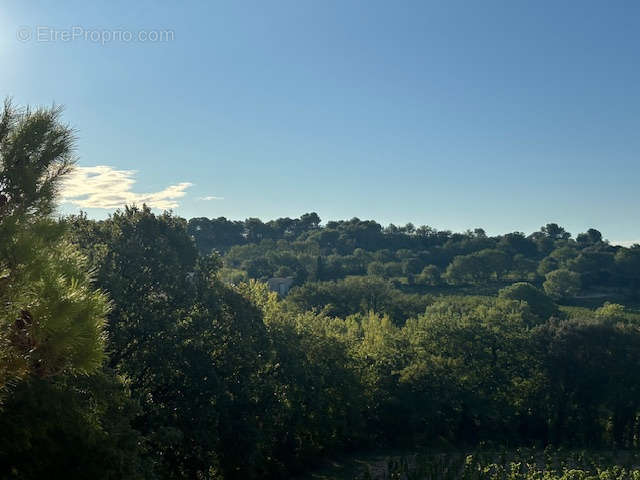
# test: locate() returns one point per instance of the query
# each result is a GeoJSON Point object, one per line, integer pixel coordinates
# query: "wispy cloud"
{"type": "Point", "coordinates": [105, 187]}
{"type": "Point", "coordinates": [211, 197]}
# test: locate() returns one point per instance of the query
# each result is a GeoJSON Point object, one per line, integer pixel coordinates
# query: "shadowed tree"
{"type": "Point", "coordinates": [590, 237]}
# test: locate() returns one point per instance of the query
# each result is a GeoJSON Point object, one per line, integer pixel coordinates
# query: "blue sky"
{"type": "Point", "coordinates": [458, 114]}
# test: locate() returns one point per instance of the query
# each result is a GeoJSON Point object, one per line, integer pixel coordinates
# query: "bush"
{"type": "Point", "coordinates": [541, 305]}
{"type": "Point", "coordinates": [562, 283]}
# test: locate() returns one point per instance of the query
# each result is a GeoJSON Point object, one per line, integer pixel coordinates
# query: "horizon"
{"type": "Point", "coordinates": [457, 116]}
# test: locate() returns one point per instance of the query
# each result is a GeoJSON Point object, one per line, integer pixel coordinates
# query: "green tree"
{"type": "Point", "coordinates": [627, 264]}
{"type": "Point", "coordinates": [192, 348]}
{"type": "Point", "coordinates": [494, 261]}
{"type": "Point", "coordinates": [357, 295]}
{"type": "Point", "coordinates": [376, 269]}
{"type": "Point", "coordinates": [430, 275]}
{"type": "Point", "coordinates": [466, 359]}
{"type": "Point", "coordinates": [590, 237]}
{"type": "Point", "coordinates": [546, 265]}
{"type": "Point", "coordinates": [562, 283]}
{"type": "Point", "coordinates": [393, 269]}
{"type": "Point", "coordinates": [477, 267]}
{"type": "Point", "coordinates": [596, 268]}
{"type": "Point", "coordinates": [63, 416]}
{"type": "Point", "coordinates": [592, 370]}
{"type": "Point", "coordinates": [555, 232]}
{"type": "Point", "coordinates": [72, 427]}
{"type": "Point", "coordinates": [540, 304]}
{"type": "Point", "coordinates": [315, 400]}
{"type": "Point", "coordinates": [51, 318]}
{"type": "Point", "coordinates": [465, 269]}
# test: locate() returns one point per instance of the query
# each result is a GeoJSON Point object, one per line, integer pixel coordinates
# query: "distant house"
{"type": "Point", "coordinates": [281, 285]}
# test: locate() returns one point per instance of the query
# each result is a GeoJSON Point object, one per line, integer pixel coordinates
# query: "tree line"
{"type": "Point", "coordinates": [420, 259]}
{"type": "Point", "coordinates": [126, 352]}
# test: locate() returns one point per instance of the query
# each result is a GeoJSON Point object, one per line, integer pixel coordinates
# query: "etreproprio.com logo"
{"type": "Point", "coordinates": [102, 36]}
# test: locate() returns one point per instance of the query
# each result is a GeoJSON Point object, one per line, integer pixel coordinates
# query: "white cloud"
{"type": "Point", "coordinates": [105, 187]}
{"type": "Point", "coordinates": [626, 243]}
{"type": "Point", "coordinates": [211, 197]}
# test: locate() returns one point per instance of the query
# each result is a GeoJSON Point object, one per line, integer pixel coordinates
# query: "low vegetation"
{"type": "Point", "coordinates": [515, 464]}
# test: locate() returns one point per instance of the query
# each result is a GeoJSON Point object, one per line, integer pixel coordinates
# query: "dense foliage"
{"type": "Point", "coordinates": [421, 260]}
{"type": "Point", "coordinates": [395, 336]}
